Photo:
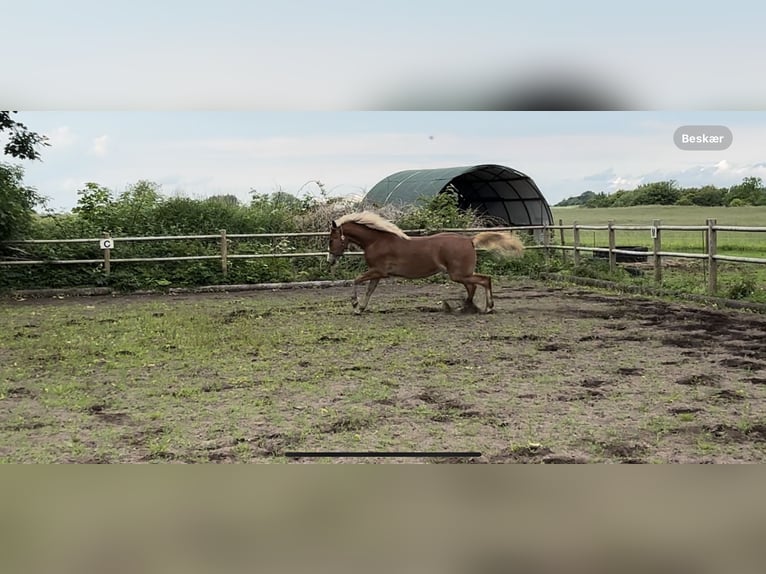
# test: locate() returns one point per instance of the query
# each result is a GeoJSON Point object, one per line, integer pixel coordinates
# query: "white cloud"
{"type": "Point", "coordinates": [722, 166]}
{"type": "Point", "coordinates": [601, 176]}
{"type": "Point", "coordinates": [100, 146]}
{"type": "Point", "coordinates": [624, 183]}
{"type": "Point", "coordinates": [61, 137]}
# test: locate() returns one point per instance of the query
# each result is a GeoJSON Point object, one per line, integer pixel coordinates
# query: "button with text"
{"type": "Point", "coordinates": [705, 138]}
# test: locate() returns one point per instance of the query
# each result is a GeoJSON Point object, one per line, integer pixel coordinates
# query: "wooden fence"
{"type": "Point", "coordinates": [710, 255]}
{"type": "Point", "coordinates": [548, 243]}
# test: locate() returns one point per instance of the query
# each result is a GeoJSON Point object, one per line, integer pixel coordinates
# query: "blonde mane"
{"type": "Point", "coordinates": [373, 221]}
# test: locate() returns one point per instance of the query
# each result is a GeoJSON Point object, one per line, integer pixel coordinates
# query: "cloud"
{"type": "Point", "coordinates": [100, 146]}
{"type": "Point", "coordinates": [722, 166]}
{"type": "Point", "coordinates": [61, 137]}
{"type": "Point", "coordinates": [620, 182]}
{"type": "Point", "coordinates": [605, 175]}
{"type": "Point", "coordinates": [723, 173]}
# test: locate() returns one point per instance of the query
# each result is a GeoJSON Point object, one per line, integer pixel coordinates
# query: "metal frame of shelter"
{"type": "Point", "coordinates": [495, 190]}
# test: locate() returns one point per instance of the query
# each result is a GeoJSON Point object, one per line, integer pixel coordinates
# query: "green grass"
{"type": "Point", "coordinates": [669, 214]}
{"type": "Point", "coordinates": [151, 381]}
{"type": "Point", "coordinates": [745, 244]}
{"type": "Point", "coordinates": [736, 280]}
{"type": "Point", "coordinates": [243, 379]}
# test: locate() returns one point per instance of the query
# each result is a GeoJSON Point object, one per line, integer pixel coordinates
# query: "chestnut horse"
{"type": "Point", "coordinates": [390, 252]}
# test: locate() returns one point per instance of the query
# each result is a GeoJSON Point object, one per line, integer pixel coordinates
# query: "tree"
{"type": "Point", "coordinates": [599, 199]}
{"type": "Point", "coordinates": [749, 192]}
{"type": "Point", "coordinates": [22, 143]}
{"type": "Point", "coordinates": [581, 199]}
{"type": "Point", "coordinates": [227, 199]}
{"type": "Point", "coordinates": [620, 198]}
{"type": "Point", "coordinates": [135, 207]}
{"type": "Point", "coordinates": [656, 193]}
{"type": "Point", "coordinates": [93, 205]}
{"type": "Point", "coordinates": [16, 202]}
{"type": "Point", "coordinates": [708, 195]}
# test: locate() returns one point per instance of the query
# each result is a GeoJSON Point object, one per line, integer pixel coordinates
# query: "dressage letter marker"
{"type": "Point", "coordinates": [106, 243]}
{"type": "Point", "coordinates": [369, 454]}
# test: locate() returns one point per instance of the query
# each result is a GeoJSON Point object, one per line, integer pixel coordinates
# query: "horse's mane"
{"type": "Point", "coordinates": [373, 221]}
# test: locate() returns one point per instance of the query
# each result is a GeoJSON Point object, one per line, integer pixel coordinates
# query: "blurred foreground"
{"type": "Point", "coordinates": [383, 519]}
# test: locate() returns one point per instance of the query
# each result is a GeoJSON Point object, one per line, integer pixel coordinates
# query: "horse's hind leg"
{"type": "Point", "coordinates": [468, 304]}
{"type": "Point", "coordinates": [489, 300]}
{"type": "Point", "coordinates": [470, 284]}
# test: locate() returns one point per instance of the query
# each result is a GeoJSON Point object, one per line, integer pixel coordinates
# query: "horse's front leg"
{"type": "Point", "coordinates": [370, 288]}
{"type": "Point", "coordinates": [354, 297]}
{"type": "Point", "coordinates": [373, 277]}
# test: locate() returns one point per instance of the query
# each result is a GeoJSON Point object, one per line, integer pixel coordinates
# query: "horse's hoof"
{"type": "Point", "coordinates": [447, 307]}
{"type": "Point", "coordinates": [357, 311]}
{"type": "Point", "coordinates": [489, 311]}
{"type": "Point", "coordinates": [469, 309]}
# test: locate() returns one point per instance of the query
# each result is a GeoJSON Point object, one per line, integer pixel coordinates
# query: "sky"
{"type": "Point", "coordinates": [222, 97]}
{"type": "Point", "coordinates": [199, 154]}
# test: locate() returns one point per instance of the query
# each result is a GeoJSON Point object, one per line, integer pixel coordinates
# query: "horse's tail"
{"type": "Point", "coordinates": [507, 243]}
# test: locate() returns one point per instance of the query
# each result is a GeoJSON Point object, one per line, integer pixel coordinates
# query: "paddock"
{"type": "Point", "coordinates": [557, 374]}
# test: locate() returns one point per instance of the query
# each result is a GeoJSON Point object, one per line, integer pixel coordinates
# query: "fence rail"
{"type": "Point", "coordinates": [710, 230]}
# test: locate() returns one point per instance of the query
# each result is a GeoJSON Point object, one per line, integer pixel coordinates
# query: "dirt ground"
{"type": "Point", "coordinates": [558, 374]}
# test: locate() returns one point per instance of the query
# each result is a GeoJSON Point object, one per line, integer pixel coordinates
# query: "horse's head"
{"type": "Point", "coordinates": [338, 243]}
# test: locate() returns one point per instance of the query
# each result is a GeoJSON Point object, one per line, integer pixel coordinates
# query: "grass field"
{"type": "Point", "coordinates": [736, 280]}
{"type": "Point", "coordinates": [733, 243]}
{"type": "Point", "coordinates": [670, 214]}
{"type": "Point", "coordinates": [555, 375]}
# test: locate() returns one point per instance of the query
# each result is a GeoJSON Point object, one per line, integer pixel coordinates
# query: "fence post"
{"type": "Point", "coordinates": [657, 236]}
{"type": "Point", "coordinates": [546, 241]}
{"type": "Point", "coordinates": [712, 245]}
{"type": "Point", "coordinates": [107, 255]}
{"type": "Point", "coordinates": [576, 241]}
{"type": "Point", "coordinates": [224, 253]}
{"type": "Point", "coordinates": [612, 254]}
{"type": "Point", "coordinates": [561, 235]}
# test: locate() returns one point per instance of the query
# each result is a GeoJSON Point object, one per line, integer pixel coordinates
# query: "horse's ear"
{"type": "Point", "coordinates": [334, 225]}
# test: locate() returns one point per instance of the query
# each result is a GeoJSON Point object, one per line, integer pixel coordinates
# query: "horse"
{"type": "Point", "coordinates": [389, 252]}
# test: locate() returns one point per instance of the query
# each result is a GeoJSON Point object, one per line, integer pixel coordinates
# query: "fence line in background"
{"type": "Point", "coordinates": [710, 255]}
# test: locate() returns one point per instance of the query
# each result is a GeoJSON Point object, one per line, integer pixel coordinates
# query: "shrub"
{"type": "Point", "coordinates": [17, 203]}
{"type": "Point", "coordinates": [142, 211]}
{"type": "Point", "coordinates": [741, 287]}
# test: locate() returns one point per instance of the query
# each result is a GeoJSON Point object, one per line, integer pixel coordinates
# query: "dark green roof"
{"type": "Point", "coordinates": [494, 189]}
